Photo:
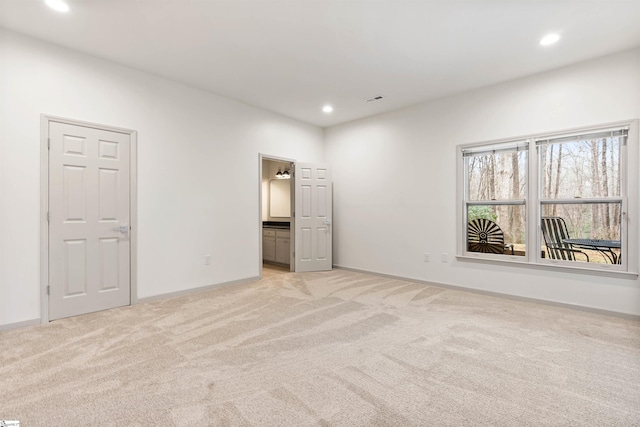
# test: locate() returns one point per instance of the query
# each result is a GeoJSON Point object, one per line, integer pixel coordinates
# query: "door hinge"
{"type": "Point", "coordinates": [48, 290]}
{"type": "Point", "coordinates": [48, 217]}
{"type": "Point", "coordinates": [48, 143]}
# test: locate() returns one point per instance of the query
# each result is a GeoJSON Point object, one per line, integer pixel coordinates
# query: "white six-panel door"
{"type": "Point", "coordinates": [313, 229]}
{"type": "Point", "coordinates": [89, 228]}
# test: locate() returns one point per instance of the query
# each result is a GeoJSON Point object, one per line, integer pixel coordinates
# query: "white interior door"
{"type": "Point", "coordinates": [313, 230]}
{"type": "Point", "coordinates": [89, 228]}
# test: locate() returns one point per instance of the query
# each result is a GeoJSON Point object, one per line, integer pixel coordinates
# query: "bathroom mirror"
{"type": "Point", "coordinates": [280, 198]}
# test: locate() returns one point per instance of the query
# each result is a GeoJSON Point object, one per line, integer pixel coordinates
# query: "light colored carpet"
{"type": "Point", "coordinates": [330, 349]}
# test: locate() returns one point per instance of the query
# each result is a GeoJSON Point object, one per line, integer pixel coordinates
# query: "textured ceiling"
{"type": "Point", "coordinates": [293, 56]}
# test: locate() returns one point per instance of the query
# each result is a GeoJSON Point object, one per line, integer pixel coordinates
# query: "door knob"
{"type": "Point", "coordinates": [122, 229]}
{"type": "Point", "coordinates": [326, 222]}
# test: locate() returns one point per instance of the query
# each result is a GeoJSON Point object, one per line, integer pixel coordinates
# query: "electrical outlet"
{"type": "Point", "coordinates": [426, 257]}
{"type": "Point", "coordinates": [207, 260]}
{"type": "Point", "coordinates": [445, 257]}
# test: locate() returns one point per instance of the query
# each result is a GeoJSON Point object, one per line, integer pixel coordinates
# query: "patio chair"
{"type": "Point", "coordinates": [484, 235]}
{"type": "Point", "coordinates": [554, 231]}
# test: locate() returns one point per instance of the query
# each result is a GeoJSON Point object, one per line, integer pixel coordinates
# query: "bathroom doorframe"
{"type": "Point", "coordinates": [261, 157]}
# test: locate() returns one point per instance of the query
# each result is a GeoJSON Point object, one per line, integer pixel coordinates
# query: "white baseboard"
{"type": "Point", "coordinates": [194, 290]}
{"type": "Point", "coordinates": [36, 322]}
{"type": "Point", "coordinates": [498, 294]}
{"type": "Point", "coordinates": [18, 325]}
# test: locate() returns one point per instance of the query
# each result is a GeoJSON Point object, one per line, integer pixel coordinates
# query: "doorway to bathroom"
{"type": "Point", "coordinates": [277, 198]}
{"type": "Point", "coordinates": [295, 214]}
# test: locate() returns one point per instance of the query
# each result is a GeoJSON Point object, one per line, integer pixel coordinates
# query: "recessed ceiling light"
{"type": "Point", "coordinates": [549, 39]}
{"type": "Point", "coordinates": [58, 5]}
{"type": "Point", "coordinates": [327, 108]}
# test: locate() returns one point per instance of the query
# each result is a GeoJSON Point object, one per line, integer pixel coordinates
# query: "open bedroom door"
{"type": "Point", "coordinates": [313, 213]}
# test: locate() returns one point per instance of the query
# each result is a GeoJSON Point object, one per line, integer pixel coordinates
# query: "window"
{"type": "Point", "coordinates": [495, 198]}
{"type": "Point", "coordinates": [558, 199]}
{"type": "Point", "coordinates": [580, 196]}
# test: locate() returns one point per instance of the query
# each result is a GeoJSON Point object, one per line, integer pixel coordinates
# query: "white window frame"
{"type": "Point", "coordinates": [629, 198]}
{"type": "Point", "coordinates": [511, 145]}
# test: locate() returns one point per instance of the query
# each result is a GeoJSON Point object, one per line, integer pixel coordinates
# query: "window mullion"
{"type": "Point", "coordinates": [533, 210]}
{"type": "Point", "coordinates": [495, 202]}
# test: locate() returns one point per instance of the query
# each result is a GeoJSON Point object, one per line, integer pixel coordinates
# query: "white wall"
{"type": "Point", "coordinates": [395, 178]}
{"type": "Point", "coordinates": [197, 168]}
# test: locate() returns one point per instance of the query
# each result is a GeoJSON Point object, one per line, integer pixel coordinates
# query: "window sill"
{"type": "Point", "coordinates": [514, 261]}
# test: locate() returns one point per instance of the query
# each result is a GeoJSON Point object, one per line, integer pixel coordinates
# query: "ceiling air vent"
{"type": "Point", "coordinates": [375, 98]}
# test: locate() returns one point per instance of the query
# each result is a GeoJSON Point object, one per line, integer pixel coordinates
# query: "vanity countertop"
{"type": "Point", "coordinates": [276, 224]}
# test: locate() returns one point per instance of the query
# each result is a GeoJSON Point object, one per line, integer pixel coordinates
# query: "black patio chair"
{"type": "Point", "coordinates": [554, 232]}
{"type": "Point", "coordinates": [484, 235]}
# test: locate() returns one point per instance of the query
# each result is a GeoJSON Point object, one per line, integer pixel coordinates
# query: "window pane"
{"type": "Point", "coordinates": [581, 168]}
{"type": "Point", "coordinates": [498, 229]}
{"type": "Point", "coordinates": [595, 225]}
{"type": "Point", "coordinates": [497, 176]}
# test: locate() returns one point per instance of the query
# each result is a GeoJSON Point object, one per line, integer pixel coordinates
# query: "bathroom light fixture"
{"type": "Point", "coordinates": [549, 39]}
{"type": "Point", "coordinates": [283, 175]}
{"type": "Point", "coordinates": [327, 108]}
{"type": "Point", "coordinates": [57, 5]}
